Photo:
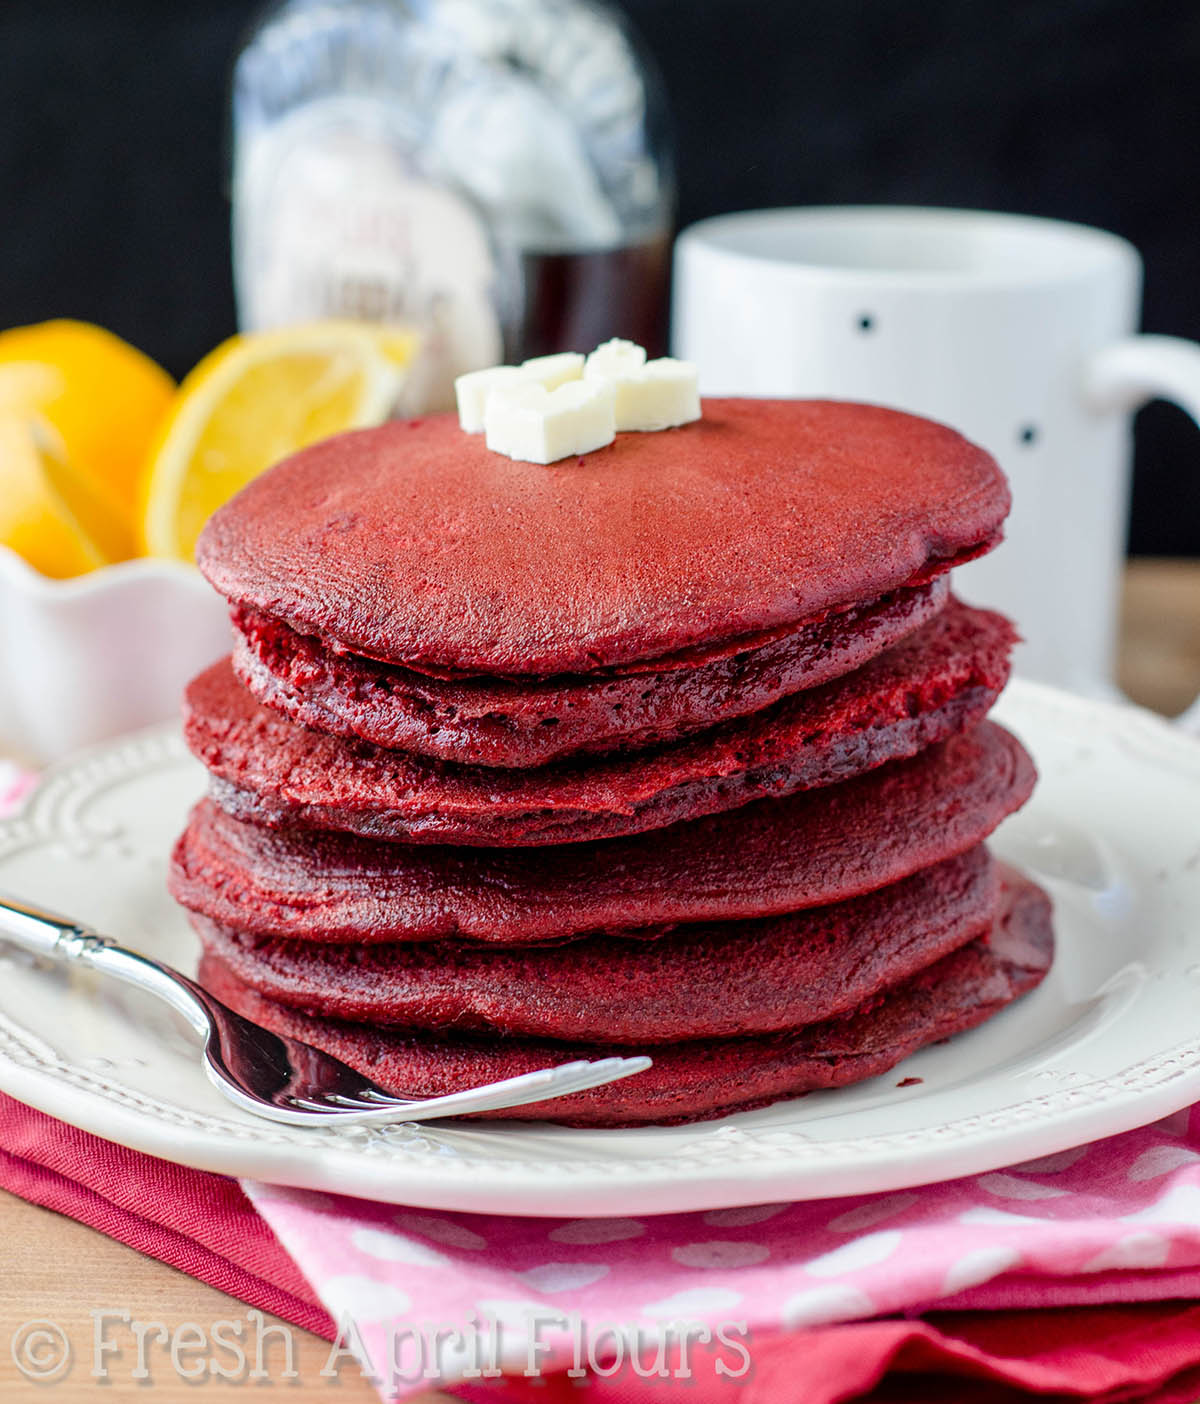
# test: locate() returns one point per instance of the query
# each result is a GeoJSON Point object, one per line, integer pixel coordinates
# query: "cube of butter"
{"type": "Point", "coordinates": [472, 390]}
{"type": "Point", "coordinates": [553, 371]}
{"type": "Point", "coordinates": [613, 360]}
{"type": "Point", "coordinates": [649, 395]}
{"type": "Point", "coordinates": [526, 421]}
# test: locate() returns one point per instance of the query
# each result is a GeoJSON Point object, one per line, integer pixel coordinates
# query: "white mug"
{"type": "Point", "coordinates": [1019, 332]}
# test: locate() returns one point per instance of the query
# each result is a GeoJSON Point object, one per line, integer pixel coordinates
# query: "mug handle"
{"type": "Point", "coordinates": [1125, 375]}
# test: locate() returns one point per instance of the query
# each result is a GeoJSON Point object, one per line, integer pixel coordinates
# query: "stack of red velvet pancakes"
{"type": "Point", "coordinates": [678, 747]}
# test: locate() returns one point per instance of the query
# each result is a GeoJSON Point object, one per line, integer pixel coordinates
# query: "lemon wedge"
{"type": "Point", "coordinates": [254, 400]}
{"type": "Point", "coordinates": [49, 514]}
{"type": "Point", "coordinates": [97, 398]}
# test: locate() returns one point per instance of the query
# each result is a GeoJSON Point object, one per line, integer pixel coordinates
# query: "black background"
{"type": "Point", "coordinates": [112, 149]}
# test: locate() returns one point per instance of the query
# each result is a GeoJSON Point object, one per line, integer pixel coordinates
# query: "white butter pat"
{"type": "Point", "coordinates": [553, 371]}
{"type": "Point", "coordinates": [536, 425]}
{"type": "Point", "coordinates": [614, 360]}
{"type": "Point", "coordinates": [472, 390]}
{"type": "Point", "coordinates": [648, 395]}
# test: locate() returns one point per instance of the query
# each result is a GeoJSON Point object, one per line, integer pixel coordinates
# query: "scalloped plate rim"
{"type": "Point", "coordinates": [725, 1166]}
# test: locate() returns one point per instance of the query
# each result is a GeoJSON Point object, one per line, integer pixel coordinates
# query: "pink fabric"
{"type": "Point", "coordinates": [1102, 1354]}
{"type": "Point", "coordinates": [1116, 1221]}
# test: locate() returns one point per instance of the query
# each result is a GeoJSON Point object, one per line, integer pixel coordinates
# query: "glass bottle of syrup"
{"type": "Point", "coordinates": [495, 173]}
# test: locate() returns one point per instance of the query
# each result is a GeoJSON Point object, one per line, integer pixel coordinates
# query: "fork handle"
{"type": "Point", "coordinates": [45, 933]}
{"type": "Point", "coordinates": [66, 942]}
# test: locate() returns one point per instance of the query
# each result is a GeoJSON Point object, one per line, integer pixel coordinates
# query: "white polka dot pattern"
{"type": "Point", "coordinates": [986, 1217]}
{"type": "Point", "coordinates": [1013, 1187]}
{"type": "Point", "coordinates": [816, 1306]}
{"type": "Point", "coordinates": [858, 1253]}
{"type": "Point", "coordinates": [597, 1231]}
{"type": "Point", "coordinates": [1135, 1250]}
{"type": "Point", "coordinates": [691, 1301]}
{"type": "Point", "coordinates": [1159, 1160]}
{"type": "Point", "coordinates": [365, 1299]}
{"type": "Point", "coordinates": [1179, 1205]}
{"type": "Point", "coordinates": [873, 1211]}
{"type": "Point", "coordinates": [442, 1230]}
{"type": "Point", "coordinates": [720, 1255]}
{"type": "Point", "coordinates": [978, 1265]}
{"type": "Point", "coordinates": [562, 1277]}
{"type": "Point", "coordinates": [746, 1214]}
{"type": "Point", "coordinates": [1052, 1164]}
{"type": "Point", "coordinates": [392, 1248]}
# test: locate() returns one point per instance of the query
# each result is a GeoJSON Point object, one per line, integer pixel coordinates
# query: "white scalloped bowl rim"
{"type": "Point", "coordinates": [16, 571]}
{"type": "Point", "coordinates": [86, 659]}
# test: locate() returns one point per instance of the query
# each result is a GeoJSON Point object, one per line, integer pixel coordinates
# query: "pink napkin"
{"type": "Point", "coordinates": [1115, 1221]}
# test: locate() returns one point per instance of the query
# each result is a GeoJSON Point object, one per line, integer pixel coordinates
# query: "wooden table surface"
{"type": "Point", "coordinates": [57, 1271]}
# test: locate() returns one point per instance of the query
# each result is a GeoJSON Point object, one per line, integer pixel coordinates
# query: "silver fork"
{"type": "Point", "coordinates": [281, 1078]}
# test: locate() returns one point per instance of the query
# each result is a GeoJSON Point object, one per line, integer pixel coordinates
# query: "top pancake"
{"type": "Point", "coordinates": [414, 544]}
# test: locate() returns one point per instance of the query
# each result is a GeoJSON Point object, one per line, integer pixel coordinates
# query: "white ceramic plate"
{"type": "Point", "coordinates": [1110, 1041]}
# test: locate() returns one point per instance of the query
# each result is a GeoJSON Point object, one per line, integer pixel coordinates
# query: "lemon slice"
{"type": "Point", "coordinates": [49, 514]}
{"type": "Point", "coordinates": [254, 400]}
{"type": "Point", "coordinates": [102, 399]}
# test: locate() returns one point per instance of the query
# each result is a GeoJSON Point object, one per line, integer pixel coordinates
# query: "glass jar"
{"type": "Point", "coordinates": [495, 173]}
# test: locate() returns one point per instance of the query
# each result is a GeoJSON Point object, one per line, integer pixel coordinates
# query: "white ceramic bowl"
{"type": "Point", "coordinates": [86, 659]}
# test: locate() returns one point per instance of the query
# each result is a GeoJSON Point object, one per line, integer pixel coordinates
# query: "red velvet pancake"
{"type": "Point", "coordinates": [528, 722]}
{"type": "Point", "coordinates": [761, 860]}
{"type": "Point", "coordinates": [702, 981]}
{"type": "Point", "coordinates": [703, 1078]}
{"type": "Point", "coordinates": [414, 544]}
{"type": "Point", "coordinates": [940, 679]}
